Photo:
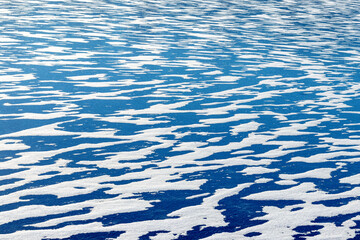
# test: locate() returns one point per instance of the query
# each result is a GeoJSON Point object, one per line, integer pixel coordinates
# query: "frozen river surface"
{"type": "Point", "coordinates": [183, 119]}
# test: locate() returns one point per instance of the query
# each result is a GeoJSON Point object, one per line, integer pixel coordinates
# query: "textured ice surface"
{"type": "Point", "coordinates": [179, 119]}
